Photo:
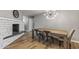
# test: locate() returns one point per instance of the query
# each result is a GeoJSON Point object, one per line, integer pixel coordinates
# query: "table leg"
{"type": "Point", "coordinates": [32, 33]}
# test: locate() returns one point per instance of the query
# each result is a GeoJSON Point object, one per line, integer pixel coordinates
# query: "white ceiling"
{"type": "Point", "coordinates": [36, 12]}
{"type": "Point", "coordinates": [32, 12]}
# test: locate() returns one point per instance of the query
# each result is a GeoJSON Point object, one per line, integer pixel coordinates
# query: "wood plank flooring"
{"type": "Point", "coordinates": [25, 42]}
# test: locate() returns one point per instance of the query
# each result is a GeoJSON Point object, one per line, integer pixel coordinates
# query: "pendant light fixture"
{"type": "Point", "coordinates": [50, 14]}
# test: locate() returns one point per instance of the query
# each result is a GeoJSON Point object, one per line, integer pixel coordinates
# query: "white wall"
{"type": "Point", "coordinates": [6, 21]}
{"type": "Point", "coordinates": [65, 19]}
{"type": "Point", "coordinates": [6, 30]}
{"type": "Point", "coordinates": [9, 14]}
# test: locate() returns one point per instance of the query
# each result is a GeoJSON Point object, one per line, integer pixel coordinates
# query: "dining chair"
{"type": "Point", "coordinates": [48, 39]}
{"type": "Point", "coordinates": [39, 35]}
{"type": "Point", "coordinates": [45, 33]}
{"type": "Point", "coordinates": [36, 33]}
{"type": "Point", "coordinates": [69, 37]}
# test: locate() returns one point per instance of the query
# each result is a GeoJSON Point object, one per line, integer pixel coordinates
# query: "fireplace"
{"type": "Point", "coordinates": [15, 28]}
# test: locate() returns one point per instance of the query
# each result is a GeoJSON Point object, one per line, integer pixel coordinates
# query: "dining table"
{"type": "Point", "coordinates": [56, 32]}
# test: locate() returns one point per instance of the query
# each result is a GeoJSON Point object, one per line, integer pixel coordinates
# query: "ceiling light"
{"type": "Point", "coordinates": [50, 14]}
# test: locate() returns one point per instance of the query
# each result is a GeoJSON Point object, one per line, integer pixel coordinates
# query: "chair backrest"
{"type": "Point", "coordinates": [46, 32]}
{"type": "Point", "coordinates": [70, 34]}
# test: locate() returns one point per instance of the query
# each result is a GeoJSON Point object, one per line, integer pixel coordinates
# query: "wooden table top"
{"type": "Point", "coordinates": [56, 31]}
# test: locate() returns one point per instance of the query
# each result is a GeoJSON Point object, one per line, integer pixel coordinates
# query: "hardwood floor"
{"type": "Point", "coordinates": [25, 42]}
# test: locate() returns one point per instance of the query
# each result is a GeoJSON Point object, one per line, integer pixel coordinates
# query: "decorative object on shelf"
{"type": "Point", "coordinates": [16, 13]}
{"type": "Point", "coordinates": [50, 14]}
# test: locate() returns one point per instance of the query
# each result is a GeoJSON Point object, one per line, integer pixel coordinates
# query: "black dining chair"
{"type": "Point", "coordinates": [39, 35]}
{"type": "Point", "coordinates": [48, 39]}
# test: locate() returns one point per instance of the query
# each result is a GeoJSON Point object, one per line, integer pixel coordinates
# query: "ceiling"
{"type": "Point", "coordinates": [32, 12]}
{"type": "Point", "coordinates": [37, 12]}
